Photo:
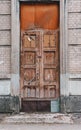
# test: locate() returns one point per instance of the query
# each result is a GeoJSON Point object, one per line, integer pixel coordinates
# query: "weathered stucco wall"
{"type": "Point", "coordinates": [5, 46]}
{"type": "Point", "coordinates": [74, 46]}
{"type": "Point", "coordinates": [73, 93]}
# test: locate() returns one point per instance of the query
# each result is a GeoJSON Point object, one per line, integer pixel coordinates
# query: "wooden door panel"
{"type": "Point", "coordinates": [29, 41]}
{"type": "Point", "coordinates": [49, 58]}
{"type": "Point", "coordinates": [49, 75]}
{"type": "Point", "coordinates": [27, 16]}
{"type": "Point", "coordinates": [40, 67]}
{"type": "Point", "coordinates": [30, 75]}
{"type": "Point", "coordinates": [29, 58]}
{"type": "Point", "coordinates": [49, 91]}
{"type": "Point", "coordinates": [50, 40]}
{"type": "Point", "coordinates": [30, 65]}
{"type": "Point", "coordinates": [42, 16]}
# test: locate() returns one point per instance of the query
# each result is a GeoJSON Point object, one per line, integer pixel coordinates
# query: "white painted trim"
{"type": "Point", "coordinates": [15, 48]}
{"type": "Point", "coordinates": [66, 48]}
{"type": "Point", "coordinates": [63, 48]}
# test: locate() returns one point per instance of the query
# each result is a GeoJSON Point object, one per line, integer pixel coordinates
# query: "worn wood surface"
{"type": "Point", "coordinates": [44, 16]}
{"type": "Point", "coordinates": [39, 51]}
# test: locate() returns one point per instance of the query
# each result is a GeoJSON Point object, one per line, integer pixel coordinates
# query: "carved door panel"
{"type": "Point", "coordinates": [50, 65]}
{"type": "Point", "coordinates": [40, 64]}
{"type": "Point", "coordinates": [30, 65]}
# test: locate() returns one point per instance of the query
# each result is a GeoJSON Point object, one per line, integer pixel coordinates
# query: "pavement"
{"type": "Point", "coordinates": [42, 121]}
{"type": "Point", "coordinates": [40, 127]}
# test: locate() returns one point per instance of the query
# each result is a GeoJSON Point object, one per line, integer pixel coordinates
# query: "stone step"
{"type": "Point", "coordinates": [48, 118]}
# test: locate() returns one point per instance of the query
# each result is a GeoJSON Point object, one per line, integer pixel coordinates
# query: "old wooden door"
{"type": "Point", "coordinates": [39, 56]}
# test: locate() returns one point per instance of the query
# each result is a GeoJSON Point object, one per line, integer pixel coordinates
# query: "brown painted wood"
{"type": "Point", "coordinates": [35, 106]}
{"type": "Point", "coordinates": [39, 51]}
{"type": "Point", "coordinates": [42, 16]}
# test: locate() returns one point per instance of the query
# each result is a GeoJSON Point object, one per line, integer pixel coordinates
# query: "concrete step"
{"type": "Point", "coordinates": [48, 118]}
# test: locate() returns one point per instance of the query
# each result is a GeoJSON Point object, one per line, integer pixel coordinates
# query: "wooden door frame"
{"type": "Point", "coordinates": [15, 46]}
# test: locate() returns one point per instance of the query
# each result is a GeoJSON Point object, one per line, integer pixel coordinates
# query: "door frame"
{"type": "Point", "coordinates": [15, 46]}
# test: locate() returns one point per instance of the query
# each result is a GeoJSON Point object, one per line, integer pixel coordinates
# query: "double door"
{"type": "Point", "coordinates": [39, 71]}
{"type": "Point", "coordinates": [40, 64]}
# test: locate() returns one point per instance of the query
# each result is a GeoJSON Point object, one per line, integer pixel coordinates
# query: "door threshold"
{"type": "Point", "coordinates": [40, 106]}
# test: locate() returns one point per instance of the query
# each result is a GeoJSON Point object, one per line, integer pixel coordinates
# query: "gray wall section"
{"type": "Point", "coordinates": [9, 104]}
{"type": "Point", "coordinates": [5, 47]}
{"type": "Point", "coordinates": [71, 104]}
{"type": "Point", "coordinates": [74, 46]}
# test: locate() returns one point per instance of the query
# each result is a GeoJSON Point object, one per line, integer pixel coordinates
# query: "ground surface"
{"type": "Point", "coordinates": [40, 127]}
{"type": "Point", "coordinates": [35, 118]}
{"type": "Point", "coordinates": [48, 121]}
